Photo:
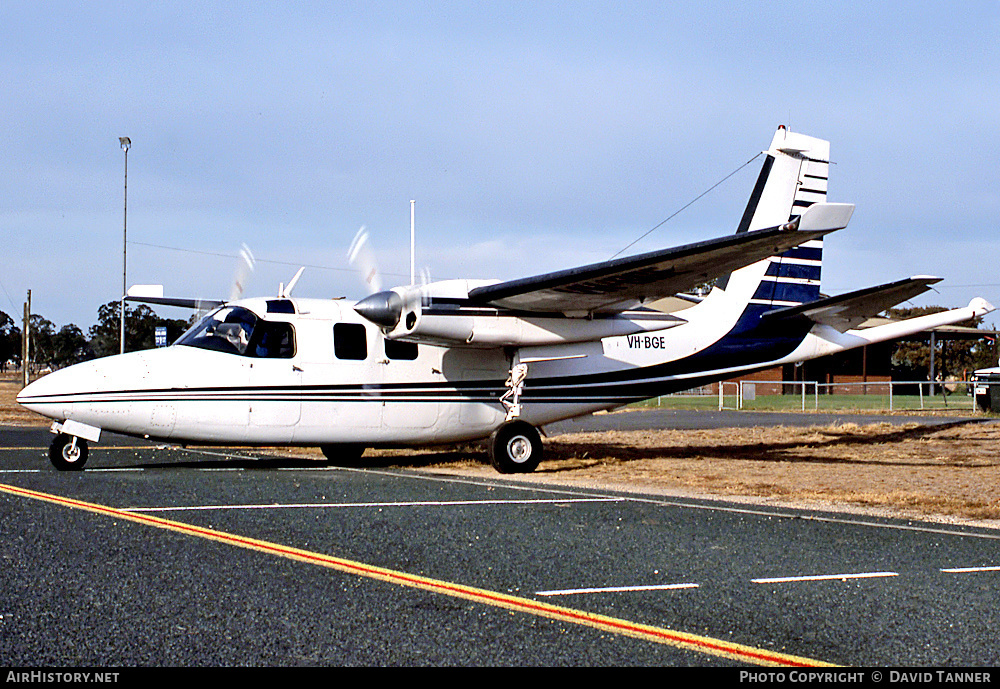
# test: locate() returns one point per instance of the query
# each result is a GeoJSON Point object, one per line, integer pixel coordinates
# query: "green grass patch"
{"type": "Point", "coordinates": [823, 403]}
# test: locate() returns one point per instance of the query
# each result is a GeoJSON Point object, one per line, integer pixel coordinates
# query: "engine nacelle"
{"type": "Point", "coordinates": [441, 313]}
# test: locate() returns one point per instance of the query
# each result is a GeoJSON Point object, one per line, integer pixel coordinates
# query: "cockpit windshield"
{"type": "Point", "coordinates": [236, 330]}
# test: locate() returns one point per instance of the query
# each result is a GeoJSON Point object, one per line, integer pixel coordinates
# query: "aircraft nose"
{"type": "Point", "coordinates": [52, 392]}
{"type": "Point", "coordinates": [34, 396]}
{"type": "Point", "coordinates": [36, 390]}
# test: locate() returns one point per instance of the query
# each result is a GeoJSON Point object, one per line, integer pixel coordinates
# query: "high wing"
{"type": "Point", "coordinates": [153, 294]}
{"type": "Point", "coordinates": [622, 283]}
{"type": "Point", "coordinates": [196, 304]}
{"type": "Point", "coordinates": [850, 310]}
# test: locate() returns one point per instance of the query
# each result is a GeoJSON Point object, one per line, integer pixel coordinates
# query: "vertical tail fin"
{"type": "Point", "coordinates": [794, 176]}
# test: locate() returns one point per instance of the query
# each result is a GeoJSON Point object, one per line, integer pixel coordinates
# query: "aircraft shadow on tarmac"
{"type": "Point", "coordinates": [780, 451]}
{"type": "Point", "coordinates": [588, 452]}
{"type": "Point", "coordinates": [266, 460]}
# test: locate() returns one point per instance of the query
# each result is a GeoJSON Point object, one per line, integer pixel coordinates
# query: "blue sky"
{"type": "Point", "coordinates": [533, 137]}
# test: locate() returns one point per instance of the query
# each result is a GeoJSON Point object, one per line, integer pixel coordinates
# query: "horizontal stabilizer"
{"type": "Point", "coordinates": [847, 311]}
{"type": "Point", "coordinates": [622, 283]}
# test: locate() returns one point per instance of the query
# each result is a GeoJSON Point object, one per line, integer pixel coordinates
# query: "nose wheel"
{"type": "Point", "coordinates": [68, 453]}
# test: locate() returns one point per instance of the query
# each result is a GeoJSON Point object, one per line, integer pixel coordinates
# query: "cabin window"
{"type": "Point", "coordinates": [400, 351]}
{"type": "Point", "coordinates": [280, 306]}
{"type": "Point", "coordinates": [350, 341]}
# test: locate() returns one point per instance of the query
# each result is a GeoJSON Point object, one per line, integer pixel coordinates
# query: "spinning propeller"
{"type": "Point", "coordinates": [385, 308]}
{"type": "Point", "coordinates": [244, 268]}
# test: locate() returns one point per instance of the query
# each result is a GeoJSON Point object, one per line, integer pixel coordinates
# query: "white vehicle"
{"type": "Point", "coordinates": [463, 360]}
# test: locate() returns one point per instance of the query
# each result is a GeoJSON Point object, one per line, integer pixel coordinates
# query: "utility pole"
{"type": "Point", "coordinates": [26, 341]}
{"type": "Point", "coordinates": [126, 143]}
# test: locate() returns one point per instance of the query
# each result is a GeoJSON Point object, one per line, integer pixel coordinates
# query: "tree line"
{"type": "Point", "coordinates": [52, 348]}
{"type": "Point", "coordinates": [954, 358]}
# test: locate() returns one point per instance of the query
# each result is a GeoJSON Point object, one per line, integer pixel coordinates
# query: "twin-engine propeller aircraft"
{"type": "Point", "coordinates": [463, 360]}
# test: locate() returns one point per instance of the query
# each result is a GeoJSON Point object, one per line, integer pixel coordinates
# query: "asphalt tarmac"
{"type": "Point", "coordinates": [157, 556]}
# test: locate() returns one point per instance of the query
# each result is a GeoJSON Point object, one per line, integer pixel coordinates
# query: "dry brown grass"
{"type": "Point", "coordinates": [946, 471]}
{"type": "Point", "coordinates": [11, 413]}
{"type": "Point", "coordinates": [951, 470]}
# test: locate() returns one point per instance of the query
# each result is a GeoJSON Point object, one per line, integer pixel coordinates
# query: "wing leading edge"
{"type": "Point", "coordinates": [622, 283]}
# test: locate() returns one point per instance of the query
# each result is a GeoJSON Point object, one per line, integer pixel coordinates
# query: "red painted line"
{"type": "Point", "coordinates": [677, 639]}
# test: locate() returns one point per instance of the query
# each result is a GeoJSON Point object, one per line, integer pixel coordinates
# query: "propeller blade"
{"type": "Point", "coordinates": [362, 258]}
{"type": "Point", "coordinates": [244, 268]}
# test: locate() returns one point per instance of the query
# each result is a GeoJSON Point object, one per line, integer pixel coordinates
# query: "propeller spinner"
{"type": "Point", "coordinates": [382, 307]}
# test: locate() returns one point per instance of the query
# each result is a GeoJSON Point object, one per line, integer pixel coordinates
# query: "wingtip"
{"type": "Point", "coordinates": [981, 307]}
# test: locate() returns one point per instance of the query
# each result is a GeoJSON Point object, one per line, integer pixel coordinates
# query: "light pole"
{"type": "Point", "coordinates": [126, 143]}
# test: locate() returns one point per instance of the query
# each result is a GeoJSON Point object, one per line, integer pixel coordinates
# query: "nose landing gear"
{"type": "Point", "coordinates": [68, 453]}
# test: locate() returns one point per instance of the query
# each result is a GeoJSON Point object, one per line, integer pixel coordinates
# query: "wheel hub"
{"type": "Point", "coordinates": [71, 452]}
{"type": "Point", "coordinates": [519, 449]}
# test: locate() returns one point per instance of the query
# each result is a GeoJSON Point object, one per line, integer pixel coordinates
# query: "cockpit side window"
{"type": "Point", "coordinates": [226, 330]}
{"type": "Point", "coordinates": [350, 341]}
{"type": "Point", "coordinates": [236, 330]}
{"type": "Point", "coordinates": [272, 340]}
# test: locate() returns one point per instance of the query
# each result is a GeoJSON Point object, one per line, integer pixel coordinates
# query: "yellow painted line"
{"type": "Point", "coordinates": [45, 448]}
{"type": "Point", "coordinates": [682, 640]}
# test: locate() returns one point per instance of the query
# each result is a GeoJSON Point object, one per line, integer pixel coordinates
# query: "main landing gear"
{"type": "Point", "coordinates": [515, 448]}
{"type": "Point", "coordinates": [68, 453]}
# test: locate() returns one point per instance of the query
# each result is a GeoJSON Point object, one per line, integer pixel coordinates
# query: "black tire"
{"type": "Point", "coordinates": [68, 457]}
{"type": "Point", "coordinates": [343, 454]}
{"type": "Point", "coordinates": [515, 448]}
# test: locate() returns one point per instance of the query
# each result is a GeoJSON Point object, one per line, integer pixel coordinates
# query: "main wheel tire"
{"type": "Point", "coordinates": [515, 448]}
{"type": "Point", "coordinates": [343, 454]}
{"type": "Point", "coordinates": [67, 456]}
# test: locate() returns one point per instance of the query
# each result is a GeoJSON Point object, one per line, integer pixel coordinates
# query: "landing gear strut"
{"type": "Point", "coordinates": [515, 448]}
{"type": "Point", "coordinates": [511, 400]}
{"type": "Point", "coordinates": [68, 453]}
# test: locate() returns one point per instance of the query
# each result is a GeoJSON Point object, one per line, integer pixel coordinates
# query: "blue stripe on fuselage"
{"type": "Point", "coordinates": [750, 344]}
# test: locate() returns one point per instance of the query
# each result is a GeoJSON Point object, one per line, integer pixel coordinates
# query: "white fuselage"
{"type": "Point", "coordinates": [318, 396]}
